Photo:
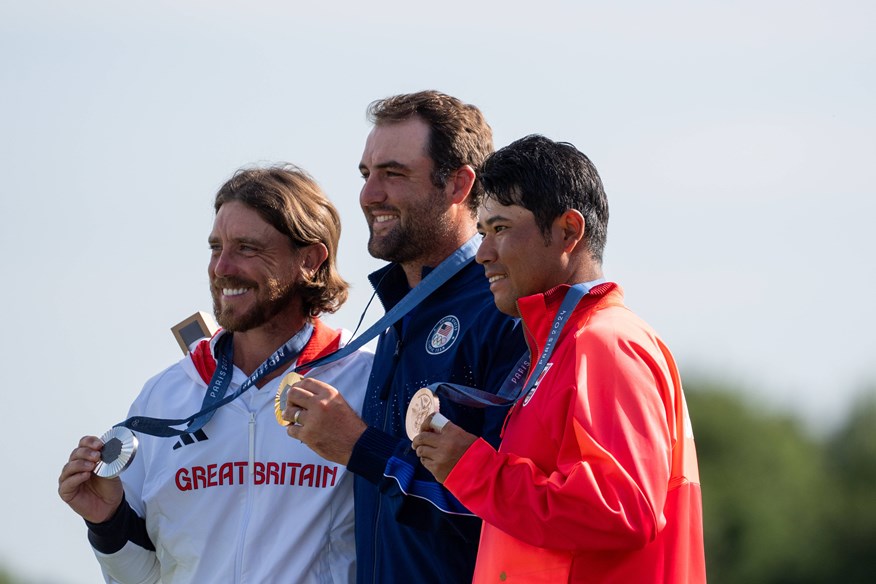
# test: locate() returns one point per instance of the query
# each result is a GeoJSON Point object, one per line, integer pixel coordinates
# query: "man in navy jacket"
{"type": "Point", "coordinates": [420, 199]}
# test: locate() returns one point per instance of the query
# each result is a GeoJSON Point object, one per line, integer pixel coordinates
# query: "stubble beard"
{"type": "Point", "coordinates": [279, 296]}
{"type": "Point", "coordinates": [416, 236]}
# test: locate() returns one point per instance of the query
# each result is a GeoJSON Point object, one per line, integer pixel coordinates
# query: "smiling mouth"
{"type": "Point", "coordinates": [496, 278]}
{"type": "Point", "coordinates": [233, 291]}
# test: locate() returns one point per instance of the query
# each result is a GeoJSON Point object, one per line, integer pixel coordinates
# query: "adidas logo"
{"type": "Point", "coordinates": [186, 439]}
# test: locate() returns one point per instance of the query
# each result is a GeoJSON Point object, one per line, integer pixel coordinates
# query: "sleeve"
{"type": "Point", "coordinates": [606, 432]}
{"type": "Point", "coordinates": [489, 352]}
{"type": "Point", "coordinates": [391, 464]}
{"type": "Point", "coordinates": [122, 545]}
{"type": "Point", "coordinates": [123, 548]}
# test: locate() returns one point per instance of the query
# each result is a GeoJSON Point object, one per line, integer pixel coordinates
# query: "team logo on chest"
{"type": "Point", "coordinates": [443, 335]}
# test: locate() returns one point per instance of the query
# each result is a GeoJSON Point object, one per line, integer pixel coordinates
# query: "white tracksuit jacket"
{"type": "Point", "coordinates": [248, 504]}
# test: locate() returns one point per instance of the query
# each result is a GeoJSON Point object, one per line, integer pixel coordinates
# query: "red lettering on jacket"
{"type": "Point", "coordinates": [292, 474]}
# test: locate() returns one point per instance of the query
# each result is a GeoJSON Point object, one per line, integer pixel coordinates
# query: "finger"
{"type": "Point", "coordinates": [73, 477]}
{"type": "Point", "coordinates": [426, 424]}
{"type": "Point", "coordinates": [91, 442]}
{"type": "Point", "coordinates": [86, 453]}
{"type": "Point", "coordinates": [424, 439]}
{"type": "Point", "coordinates": [73, 469]}
{"type": "Point", "coordinates": [299, 396]}
{"type": "Point", "coordinates": [293, 414]}
{"type": "Point", "coordinates": [312, 386]}
{"type": "Point", "coordinates": [424, 451]}
{"type": "Point", "coordinates": [68, 488]}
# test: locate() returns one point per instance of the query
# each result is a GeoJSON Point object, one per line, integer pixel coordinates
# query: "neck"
{"type": "Point", "coordinates": [414, 268]}
{"type": "Point", "coordinates": [584, 271]}
{"type": "Point", "coordinates": [588, 276]}
{"type": "Point", "coordinates": [253, 347]}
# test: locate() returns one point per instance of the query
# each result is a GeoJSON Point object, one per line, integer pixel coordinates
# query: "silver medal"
{"type": "Point", "coordinates": [119, 448]}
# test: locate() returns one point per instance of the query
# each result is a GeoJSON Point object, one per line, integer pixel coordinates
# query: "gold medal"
{"type": "Point", "coordinates": [280, 399]}
{"type": "Point", "coordinates": [423, 404]}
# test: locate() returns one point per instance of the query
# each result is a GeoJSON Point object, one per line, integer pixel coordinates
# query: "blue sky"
{"type": "Point", "coordinates": [735, 141]}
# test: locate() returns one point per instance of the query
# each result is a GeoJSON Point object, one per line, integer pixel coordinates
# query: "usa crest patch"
{"type": "Point", "coordinates": [443, 335]}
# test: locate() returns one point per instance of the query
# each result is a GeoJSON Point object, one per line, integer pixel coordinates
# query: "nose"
{"type": "Point", "coordinates": [372, 192]}
{"type": "Point", "coordinates": [221, 264]}
{"type": "Point", "coordinates": [486, 252]}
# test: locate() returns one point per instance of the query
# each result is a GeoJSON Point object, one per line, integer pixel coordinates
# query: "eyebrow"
{"type": "Point", "coordinates": [384, 165]}
{"type": "Point", "coordinates": [244, 239]}
{"type": "Point", "coordinates": [490, 221]}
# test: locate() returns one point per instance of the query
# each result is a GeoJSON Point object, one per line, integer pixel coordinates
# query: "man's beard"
{"type": "Point", "coordinates": [414, 237]}
{"type": "Point", "coordinates": [279, 296]}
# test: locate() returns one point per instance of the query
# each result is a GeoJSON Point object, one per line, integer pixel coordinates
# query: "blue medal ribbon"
{"type": "Point", "coordinates": [512, 389]}
{"type": "Point", "coordinates": [433, 280]}
{"type": "Point", "coordinates": [215, 396]}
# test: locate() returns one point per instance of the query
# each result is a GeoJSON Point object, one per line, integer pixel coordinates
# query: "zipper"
{"type": "Point", "coordinates": [250, 486]}
{"type": "Point", "coordinates": [251, 447]}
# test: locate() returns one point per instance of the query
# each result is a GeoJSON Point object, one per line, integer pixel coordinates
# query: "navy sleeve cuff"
{"type": "Point", "coordinates": [125, 525]}
{"type": "Point", "coordinates": [371, 453]}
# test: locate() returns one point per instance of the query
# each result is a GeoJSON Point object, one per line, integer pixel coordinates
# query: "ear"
{"type": "Point", "coordinates": [573, 227]}
{"type": "Point", "coordinates": [460, 183]}
{"type": "Point", "coordinates": [313, 257]}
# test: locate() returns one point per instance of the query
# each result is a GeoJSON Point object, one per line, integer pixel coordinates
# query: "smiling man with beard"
{"type": "Point", "coordinates": [419, 198]}
{"type": "Point", "coordinates": [203, 507]}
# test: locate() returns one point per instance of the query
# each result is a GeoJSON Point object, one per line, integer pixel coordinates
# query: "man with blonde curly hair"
{"type": "Point", "coordinates": [235, 501]}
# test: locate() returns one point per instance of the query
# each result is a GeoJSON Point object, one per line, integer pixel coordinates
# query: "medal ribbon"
{"type": "Point", "coordinates": [221, 380]}
{"type": "Point", "coordinates": [434, 280]}
{"type": "Point", "coordinates": [215, 397]}
{"type": "Point", "coordinates": [511, 389]}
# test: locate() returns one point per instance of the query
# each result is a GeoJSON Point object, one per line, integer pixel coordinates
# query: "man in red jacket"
{"type": "Point", "coordinates": [596, 476]}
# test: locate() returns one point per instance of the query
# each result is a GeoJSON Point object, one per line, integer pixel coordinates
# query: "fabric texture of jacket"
{"type": "Point", "coordinates": [408, 527]}
{"type": "Point", "coordinates": [238, 501]}
{"type": "Point", "coordinates": [596, 476]}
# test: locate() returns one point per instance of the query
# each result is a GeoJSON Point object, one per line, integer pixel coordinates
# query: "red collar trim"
{"type": "Point", "coordinates": [323, 341]}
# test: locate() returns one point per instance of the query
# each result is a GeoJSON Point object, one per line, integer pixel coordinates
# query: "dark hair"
{"type": "Point", "coordinates": [459, 134]}
{"type": "Point", "coordinates": [290, 199]}
{"type": "Point", "coordinates": [548, 178]}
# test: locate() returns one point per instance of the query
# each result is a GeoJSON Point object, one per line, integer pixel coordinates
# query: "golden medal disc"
{"type": "Point", "coordinates": [119, 448]}
{"type": "Point", "coordinates": [289, 380]}
{"type": "Point", "coordinates": [423, 404]}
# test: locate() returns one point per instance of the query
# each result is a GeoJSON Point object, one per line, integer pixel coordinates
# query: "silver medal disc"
{"type": "Point", "coordinates": [119, 448]}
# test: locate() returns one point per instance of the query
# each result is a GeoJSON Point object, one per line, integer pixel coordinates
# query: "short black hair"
{"type": "Point", "coordinates": [548, 178]}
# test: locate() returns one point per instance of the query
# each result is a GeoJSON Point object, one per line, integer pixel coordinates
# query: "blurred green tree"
{"type": "Point", "coordinates": [764, 486]}
{"type": "Point", "coordinates": [6, 577]}
{"type": "Point", "coordinates": [851, 460]}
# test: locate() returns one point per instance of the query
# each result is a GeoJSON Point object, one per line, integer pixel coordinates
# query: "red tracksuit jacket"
{"type": "Point", "coordinates": [596, 477]}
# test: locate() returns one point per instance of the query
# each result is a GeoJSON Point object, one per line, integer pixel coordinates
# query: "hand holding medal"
{"type": "Point", "coordinates": [280, 399]}
{"type": "Point", "coordinates": [119, 449]}
{"type": "Point", "coordinates": [423, 404]}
